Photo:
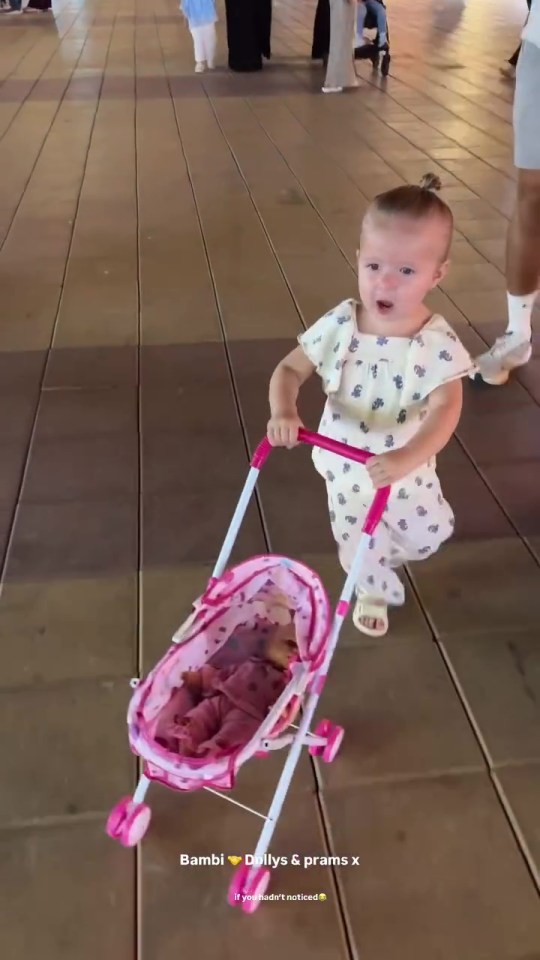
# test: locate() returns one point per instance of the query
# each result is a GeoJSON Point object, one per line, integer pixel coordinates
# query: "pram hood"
{"type": "Point", "coordinates": [262, 580]}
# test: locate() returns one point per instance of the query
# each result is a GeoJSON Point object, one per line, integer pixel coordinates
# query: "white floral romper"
{"type": "Point", "coordinates": [377, 390]}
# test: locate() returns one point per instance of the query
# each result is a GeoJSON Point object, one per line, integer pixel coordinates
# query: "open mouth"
{"type": "Point", "coordinates": [384, 306]}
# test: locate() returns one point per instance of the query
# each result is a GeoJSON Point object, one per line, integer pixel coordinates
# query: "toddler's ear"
{"type": "Point", "coordinates": [441, 273]}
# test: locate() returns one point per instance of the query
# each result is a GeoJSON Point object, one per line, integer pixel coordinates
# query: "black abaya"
{"type": "Point", "coordinates": [249, 23]}
{"type": "Point", "coordinates": [321, 31]}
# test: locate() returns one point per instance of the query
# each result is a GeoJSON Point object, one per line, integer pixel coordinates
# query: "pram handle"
{"type": "Point", "coordinates": [380, 499]}
{"type": "Point", "coordinates": [265, 448]}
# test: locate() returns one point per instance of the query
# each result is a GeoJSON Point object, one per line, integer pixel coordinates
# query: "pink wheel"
{"type": "Point", "coordinates": [256, 889]}
{"type": "Point", "coordinates": [117, 817]}
{"type": "Point", "coordinates": [321, 730]}
{"type": "Point", "coordinates": [135, 825]}
{"type": "Point", "coordinates": [236, 886]}
{"type": "Point", "coordinates": [335, 736]}
{"type": "Point", "coordinates": [128, 822]}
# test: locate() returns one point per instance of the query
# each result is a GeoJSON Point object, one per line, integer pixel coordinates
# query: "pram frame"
{"type": "Point", "coordinates": [327, 739]}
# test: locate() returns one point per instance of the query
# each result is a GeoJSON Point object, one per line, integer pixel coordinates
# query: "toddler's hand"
{"type": "Point", "coordinates": [283, 431]}
{"type": "Point", "coordinates": [387, 468]}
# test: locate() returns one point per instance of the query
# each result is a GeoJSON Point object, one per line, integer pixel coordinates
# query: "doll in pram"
{"type": "Point", "coordinates": [371, 15]}
{"type": "Point", "coordinates": [230, 700]}
{"type": "Point", "coordinates": [267, 621]}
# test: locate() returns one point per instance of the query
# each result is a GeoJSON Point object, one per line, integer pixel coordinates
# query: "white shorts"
{"type": "Point", "coordinates": [527, 109]}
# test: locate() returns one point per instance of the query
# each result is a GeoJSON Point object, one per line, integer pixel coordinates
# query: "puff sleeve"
{"type": "Point", "coordinates": [326, 344]}
{"type": "Point", "coordinates": [437, 357]}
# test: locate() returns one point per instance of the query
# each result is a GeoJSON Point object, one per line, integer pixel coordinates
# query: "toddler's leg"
{"type": "Point", "coordinates": [197, 34]}
{"type": "Point", "coordinates": [420, 519]}
{"type": "Point", "coordinates": [378, 585]}
{"type": "Point", "coordinates": [210, 41]}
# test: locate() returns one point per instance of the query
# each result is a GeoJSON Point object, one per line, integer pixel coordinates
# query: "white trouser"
{"type": "Point", "coordinates": [204, 43]}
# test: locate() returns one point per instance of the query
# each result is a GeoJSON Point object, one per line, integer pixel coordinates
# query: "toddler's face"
{"type": "Point", "coordinates": [399, 262]}
{"type": "Point", "coordinates": [281, 646]}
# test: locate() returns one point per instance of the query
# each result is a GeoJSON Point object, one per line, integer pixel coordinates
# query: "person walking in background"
{"type": "Point", "coordinates": [340, 72]}
{"type": "Point", "coordinates": [16, 7]}
{"type": "Point", "coordinates": [249, 25]}
{"type": "Point", "coordinates": [44, 6]}
{"type": "Point", "coordinates": [510, 71]}
{"type": "Point", "coordinates": [514, 348]}
{"type": "Point", "coordinates": [201, 17]}
{"type": "Point", "coordinates": [378, 13]}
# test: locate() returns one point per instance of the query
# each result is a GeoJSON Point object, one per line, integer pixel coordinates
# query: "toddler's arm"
{"type": "Point", "coordinates": [285, 383]}
{"type": "Point", "coordinates": [444, 411]}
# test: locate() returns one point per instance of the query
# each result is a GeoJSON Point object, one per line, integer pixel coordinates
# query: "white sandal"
{"type": "Point", "coordinates": [370, 608]}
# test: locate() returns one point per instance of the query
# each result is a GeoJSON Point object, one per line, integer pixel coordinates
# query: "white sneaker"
{"type": "Point", "coordinates": [507, 353]}
{"type": "Point", "coordinates": [199, 68]}
{"type": "Point", "coordinates": [332, 89]}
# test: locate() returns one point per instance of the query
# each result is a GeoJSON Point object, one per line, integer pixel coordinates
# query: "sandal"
{"type": "Point", "coordinates": [374, 609]}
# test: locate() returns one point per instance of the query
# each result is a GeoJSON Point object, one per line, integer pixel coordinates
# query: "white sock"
{"type": "Point", "coordinates": [519, 315]}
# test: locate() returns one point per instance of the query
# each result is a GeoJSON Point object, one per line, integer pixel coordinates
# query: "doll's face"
{"type": "Point", "coordinates": [281, 646]}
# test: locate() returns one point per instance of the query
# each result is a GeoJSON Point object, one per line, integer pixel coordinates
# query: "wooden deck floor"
{"type": "Point", "coordinates": [163, 239]}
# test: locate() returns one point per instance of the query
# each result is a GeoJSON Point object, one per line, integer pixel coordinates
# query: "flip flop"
{"type": "Point", "coordinates": [370, 608]}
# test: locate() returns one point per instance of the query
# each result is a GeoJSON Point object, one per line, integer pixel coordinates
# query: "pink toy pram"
{"type": "Point", "coordinates": [233, 602]}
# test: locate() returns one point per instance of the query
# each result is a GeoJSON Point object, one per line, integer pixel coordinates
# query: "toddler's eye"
{"type": "Point", "coordinates": [373, 266]}
{"type": "Point", "coordinates": [407, 271]}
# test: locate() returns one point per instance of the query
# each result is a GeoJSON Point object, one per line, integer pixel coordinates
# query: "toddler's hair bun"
{"type": "Point", "coordinates": [430, 181]}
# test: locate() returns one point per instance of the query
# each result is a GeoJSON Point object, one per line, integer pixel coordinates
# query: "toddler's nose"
{"type": "Point", "coordinates": [389, 282]}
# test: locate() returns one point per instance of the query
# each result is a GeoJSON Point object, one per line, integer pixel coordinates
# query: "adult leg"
{"type": "Point", "coordinates": [340, 72]}
{"type": "Point", "coordinates": [263, 10]}
{"type": "Point", "coordinates": [510, 71]}
{"type": "Point", "coordinates": [360, 22]}
{"type": "Point", "coordinates": [513, 349]}
{"type": "Point", "coordinates": [515, 57]}
{"type": "Point", "coordinates": [379, 13]}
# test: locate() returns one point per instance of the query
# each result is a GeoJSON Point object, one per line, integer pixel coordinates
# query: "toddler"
{"type": "Point", "coordinates": [201, 17]}
{"type": "Point", "coordinates": [391, 371]}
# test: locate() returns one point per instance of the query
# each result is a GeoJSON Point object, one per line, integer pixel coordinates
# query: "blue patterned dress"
{"type": "Point", "coordinates": [199, 12]}
{"type": "Point", "coordinates": [377, 390]}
